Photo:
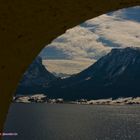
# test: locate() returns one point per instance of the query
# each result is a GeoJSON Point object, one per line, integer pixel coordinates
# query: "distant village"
{"type": "Point", "coordinates": [41, 98]}
{"type": "Point", "coordinates": [37, 98]}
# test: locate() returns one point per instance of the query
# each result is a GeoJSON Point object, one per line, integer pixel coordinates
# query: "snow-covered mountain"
{"type": "Point", "coordinates": [35, 79]}
{"type": "Point", "coordinates": [115, 75]}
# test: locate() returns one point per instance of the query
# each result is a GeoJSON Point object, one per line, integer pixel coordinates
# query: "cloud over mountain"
{"type": "Point", "coordinates": [96, 37]}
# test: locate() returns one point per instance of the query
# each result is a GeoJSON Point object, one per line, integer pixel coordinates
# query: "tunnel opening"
{"type": "Point", "coordinates": [103, 51]}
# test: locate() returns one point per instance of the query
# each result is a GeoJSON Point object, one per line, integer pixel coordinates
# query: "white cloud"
{"type": "Point", "coordinates": [96, 37]}
{"type": "Point", "coordinates": [67, 66]}
{"type": "Point", "coordinates": [80, 43]}
{"type": "Point", "coordinates": [123, 32]}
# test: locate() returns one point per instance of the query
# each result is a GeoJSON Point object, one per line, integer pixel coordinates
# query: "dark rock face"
{"type": "Point", "coordinates": [35, 79]}
{"type": "Point", "coordinates": [115, 75]}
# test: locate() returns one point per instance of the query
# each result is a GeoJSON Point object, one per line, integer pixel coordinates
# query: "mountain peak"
{"type": "Point", "coordinates": [35, 79]}
{"type": "Point", "coordinates": [126, 50]}
{"type": "Point", "coordinates": [114, 75]}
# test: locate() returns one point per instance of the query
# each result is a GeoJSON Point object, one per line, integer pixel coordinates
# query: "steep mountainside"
{"type": "Point", "coordinates": [115, 75]}
{"type": "Point", "coordinates": [35, 79]}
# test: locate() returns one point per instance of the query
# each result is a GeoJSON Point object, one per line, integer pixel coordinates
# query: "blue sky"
{"type": "Point", "coordinates": [84, 44]}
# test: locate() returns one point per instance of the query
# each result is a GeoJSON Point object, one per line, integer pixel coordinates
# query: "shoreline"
{"type": "Point", "coordinates": [68, 103]}
{"type": "Point", "coordinates": [41, 98]}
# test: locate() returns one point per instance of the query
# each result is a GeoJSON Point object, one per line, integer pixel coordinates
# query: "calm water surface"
{"type": "Point", "coordinates": [73, 122]}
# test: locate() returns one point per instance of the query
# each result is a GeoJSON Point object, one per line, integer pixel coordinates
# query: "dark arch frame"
{"type": "Point", "coordinates": [26, 26]}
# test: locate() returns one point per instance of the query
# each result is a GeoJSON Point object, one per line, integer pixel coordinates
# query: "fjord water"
{"type": "Point", "coordinates": [73, 122]}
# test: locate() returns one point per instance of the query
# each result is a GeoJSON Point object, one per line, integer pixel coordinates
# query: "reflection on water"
{"type": "Point", "coordinates": [73, 122]}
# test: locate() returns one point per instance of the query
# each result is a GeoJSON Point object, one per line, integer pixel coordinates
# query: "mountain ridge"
{"type": "Point", "coordinates": [113, 75]}
{"type": "Point", "coordinates": [35, 79]}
